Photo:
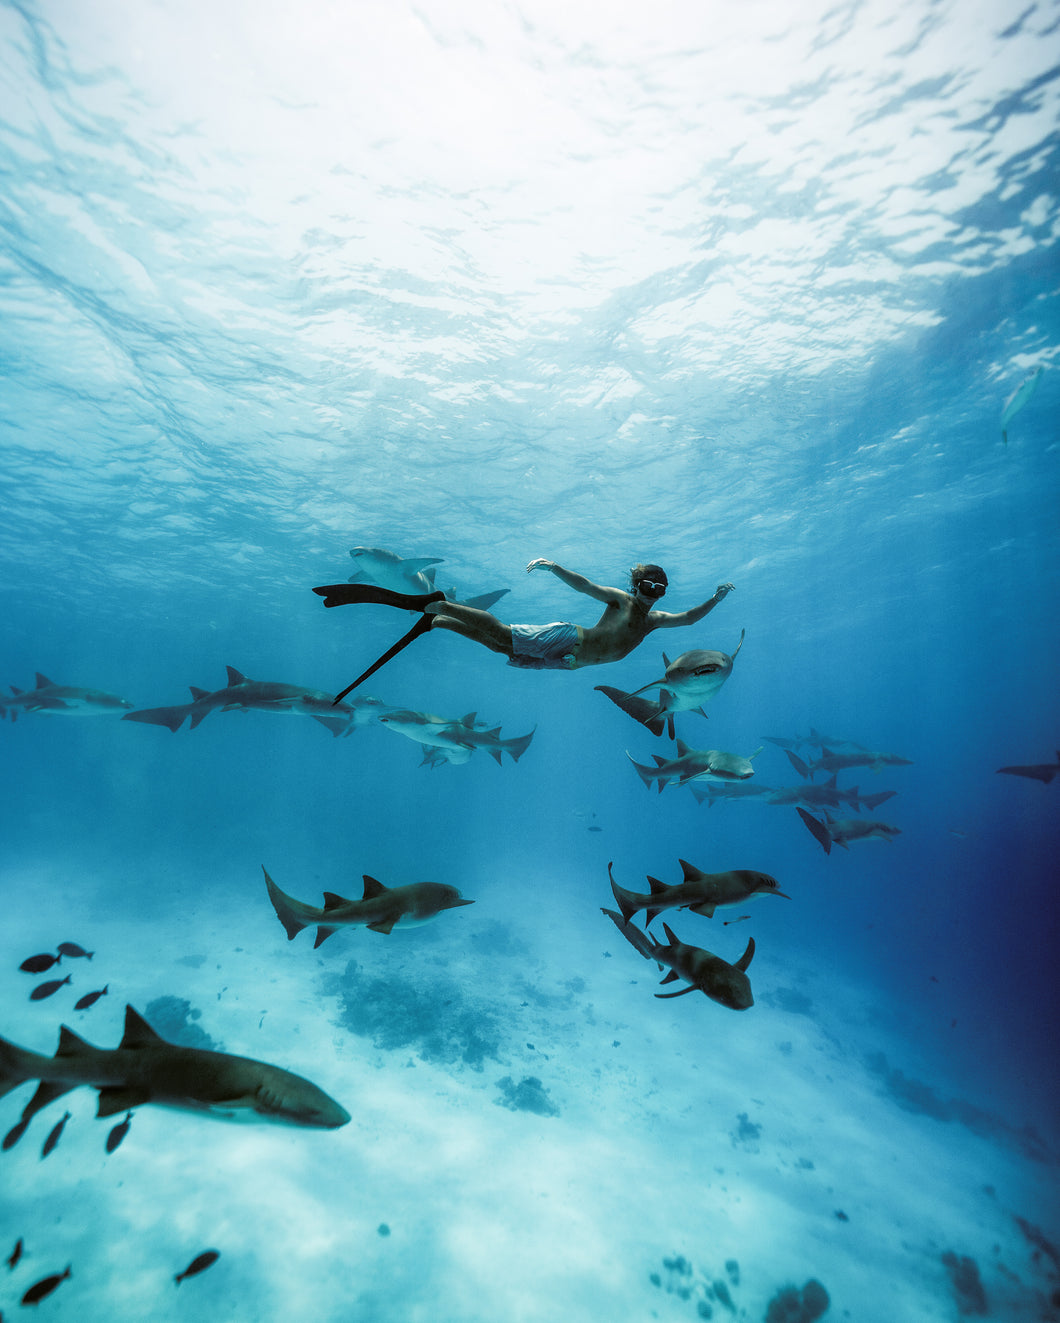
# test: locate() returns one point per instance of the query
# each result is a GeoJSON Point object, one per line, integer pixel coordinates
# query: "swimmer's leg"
{"type": "Point", "coordinates": [471, 623]}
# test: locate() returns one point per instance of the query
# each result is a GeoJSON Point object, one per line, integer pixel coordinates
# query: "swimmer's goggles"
{"type": "Point", "coordinates": [650, 588]}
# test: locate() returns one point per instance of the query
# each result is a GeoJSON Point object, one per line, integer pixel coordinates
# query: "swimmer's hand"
{"type": "Point", "coordinates": [540, 563]}
{"type": "Point", "coordinates": [724, 589]}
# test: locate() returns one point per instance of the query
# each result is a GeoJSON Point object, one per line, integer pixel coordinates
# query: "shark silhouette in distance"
{"type": "Point", "coordinates": [713, 792]}
{"type": "Point", "coordinates": [1043, 772]}
{"type": "Point", "coordinates": [689, 681]}
{"type": "Point", "coordinates": [144, 1068]}
{"type": "Point", "coordinates": [702, 893]}
{"type": "Point", "coordinates": [1018, 400]}
{"type": "Point", "coordinates": [453, 741]}
{"type": "Point", "coordinates": [61, 700]}
{"type": "Point", "coordinates": [381, 908]}
{"type": "Point", "coordinates": [815, 739]}
{"type": "Point", "coordinates": [830, 761]}
{"type": "Point", "coordinates": [827, 794]}
{"type": "Point", "coordinates": [841, 831]}
{"type": "Point", "coordinates": [243, 695]}
{"type": "Point", "coordinates": [412, 575]}
{"type": "Point", "coordinates": [695, 765]}
{"type": "Point", "coordinates": [704, 972]}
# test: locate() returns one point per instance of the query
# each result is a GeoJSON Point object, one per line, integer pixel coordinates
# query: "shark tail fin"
{"type": "Point", "coordinates": [644, 710]}
{"type": "Point", "coordinates": [646, 774]}
{"type": "Point", "coordinates": [282, 904]}
{"type": "Point", "coordinates": [16, 1066]}
{"type": "Point", "coordinates": [518, 746]}
{"type": "Point", "coordinates": [625, 900]}
{"type": "Point", "coordinates": [818, 830]}
{"type": "Point", "coordinates": [172, 717]}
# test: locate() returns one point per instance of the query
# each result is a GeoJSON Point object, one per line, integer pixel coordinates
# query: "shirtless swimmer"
{"type": "Point", "coordinates": [627, 620]}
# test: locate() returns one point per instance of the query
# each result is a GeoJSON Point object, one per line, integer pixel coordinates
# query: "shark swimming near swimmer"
{"type": "Point", "coordinates": [413, 574]}
{"type": "Point", "coordinates": [704, 972]}
{"type": "Point", "coordinates": [380, 908]}
{"type": "Point", "coordinates": [144, 1068]}
{"type": "Point", "coordinates": [61, 700]}
{"type": "Point", "coordinates": [695, 765]}
{"type": "Point", "coordinates": [700, 892]}
{"type": "Point", "coordinates": [244, 695]}
{"type": "Point", "coordinates": [688, 682]}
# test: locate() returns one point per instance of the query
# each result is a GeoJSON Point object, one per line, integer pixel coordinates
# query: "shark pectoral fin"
{"type": "Point", "coordinates": [670, 977]}
{"type": "Point", "coordinates": [172, 717]}
{"type": "Point", "coordinates": [384, 926]}
{"type": "Point", "coordinates": [322, 935]}
{"type": "Point", "coordinates": [706, 910]}
{"type": "Point", "coordinates": [121, 1098]}
{"type": "Point", "coordinates": [337, 725]}
{"type": "Point", "coordinates": [817, 829]}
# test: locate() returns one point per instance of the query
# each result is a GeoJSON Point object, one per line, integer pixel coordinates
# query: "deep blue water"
{"type": "Point", "coordinates": [741, 295]}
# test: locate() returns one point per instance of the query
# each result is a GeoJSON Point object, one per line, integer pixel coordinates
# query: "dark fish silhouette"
{"type": "Point", "coordinates": [39, 963]}
{"type": "Point", "coordinates": [199, 1264]}
{"type": "Point", "coordinates": [54, 1135]}
{"type": "Point", "coordinates": [90, 999]}
{"type": "Point", "coordinates": [72, 949]}
{"type": "Point", "coordinates": [16, 1254]}
{"type": "Point", "coordinates": [45, 1286]}
{"type": "Point", "coordinates": [118, 1133]}
{"type": "Point", "coordinates": [48, 989]}
{"type": "Point", "coordinates": [1043, 772]}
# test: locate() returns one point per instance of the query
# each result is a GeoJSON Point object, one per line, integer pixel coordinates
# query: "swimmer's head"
{"type": "Point", "coordinates": [648, 580]}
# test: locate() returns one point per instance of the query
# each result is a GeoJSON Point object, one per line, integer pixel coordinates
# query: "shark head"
{"type": "Point", "coordinates": [723, 766]}
{"type": "Point", "coordinates": [764, 885]}
{"type": "Point", "coordinates": [288, 1099]}
{"type": "Point", "coordinates": [693, 678]}
{"type": "Point", "coordinates": [450, 899]}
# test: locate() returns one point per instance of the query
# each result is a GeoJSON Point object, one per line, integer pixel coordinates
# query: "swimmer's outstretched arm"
{"type": "Point", "coordinates": [672, 619]}
{"type": "Point", "coordinates": [578, 582]}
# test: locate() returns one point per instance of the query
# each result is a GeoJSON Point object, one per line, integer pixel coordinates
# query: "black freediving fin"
{"type": "Point", "coordinates": [420, 627]}
{"type": "Point", "coordinates": [343, 594]}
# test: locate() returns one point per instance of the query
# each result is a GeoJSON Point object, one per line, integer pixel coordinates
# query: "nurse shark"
{"type": "Point", "coordinates": [144, 1068]}
{"type": "Point", "coordinates": [61, 700]}
{"type": "Point", "coordinates": [695, 765]}
{"type": "Point", "coordinates": [841, 831]}
{"type": "Point", "coordinates": [700, 892]}
{"type": "Point", "coordinates": [689, 681]}
{"type": "Point", "coordinates": [412, 574]}
{"type": "Point", "coordinates": [380, 908]}
{"type": "Point", "coordinates": [705, 972]}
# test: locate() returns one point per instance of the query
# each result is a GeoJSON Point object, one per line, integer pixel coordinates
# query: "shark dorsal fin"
{"type": "Point", "coordinates": [682, 748]}
{"type": "Point", "coordinates": [138, 1033]}
{"type": "Point", "coordinates": [670, 934]}
{"type": "Point", "coordinates": [747, 956]}
{"type": "Point", "coordinates": [70, 1044]}
{"type": "Point", "coordinates": [332, 902]}
{"type": "Point", "coordinates": [830, 784]}
{"type": "Point", "coordinates": [417, 564]}
{"type": "Point", "coordinates": [690, 870]}
{"type": "Point", "coordinates": [469, 720]}
{"type": "Point", "coordinates": [666, 662]}
{"type": "Point", "coordinates": [656, 885]}
{"type": "Point", "coordinates": [659, 762]}
{"type": "Point", "coordinates": [196, 694]}
{"type": "Point", "coordinates": [43, 682]}
{"type": "Point", "coordinates": [234, 676]}
{"type": "Point", "coordinates": [372, 887]}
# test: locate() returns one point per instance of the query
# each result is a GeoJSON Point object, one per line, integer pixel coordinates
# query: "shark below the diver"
{"type": "Point", "coordinates": [380, 908]}
{"type": "Point", "coordinates": [841, 831]}
{"type": "Point", "coordinates": [688, 682]}
{"type": "Point", "coordinates": [243, 695]}
{"type": "Point", "coordinates": [704, 972]}
{"type": "Point", "coordinates": [693, 765]}
{"type": "Point", "coordinates": [453, 741]}
{"type": "Point", "coordinates": [61, 700]}
{"type": "Point", "coordinates": [144, 1068]}
{"type": "Point", "coordinates": [700, 892]}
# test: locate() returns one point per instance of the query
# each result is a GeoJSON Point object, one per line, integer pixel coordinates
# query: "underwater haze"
{"type": "Point", "coordinates": [765, 295]}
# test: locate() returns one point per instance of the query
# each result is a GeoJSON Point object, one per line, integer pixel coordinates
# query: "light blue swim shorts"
{"type": "Point", "coordinates": [551, 647]}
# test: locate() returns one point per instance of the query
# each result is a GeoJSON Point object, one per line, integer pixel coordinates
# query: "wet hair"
{"type": "Point", "coordinates": [655, 573]}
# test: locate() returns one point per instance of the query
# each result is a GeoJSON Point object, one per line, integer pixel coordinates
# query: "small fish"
{"type": "Point", "coordinates": [199, 1264]}
{"type": "Point", "coordinates": [15, 1255]}
{"type": "Point", "coordinates": [1020, 397]}
{"type": "Point", "coordinates": [90, 999]}
{"type": "Point", "coordinates": [48, 989]}
{"type": "Point", "coordinates": [119, 1132]}
{"type": "Point", "coordinates": [45, 1286]}
{"type": "Point", "coordinates": [54, 1136]}
{"type": "Point", "coordinates": [739, 919]}
{"type": "Point", "coordinates": [72, 949]}
{"type": "Point", "coordinates": [594, 828]}
{"type": "Point", "coordinates": [39, 963]}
